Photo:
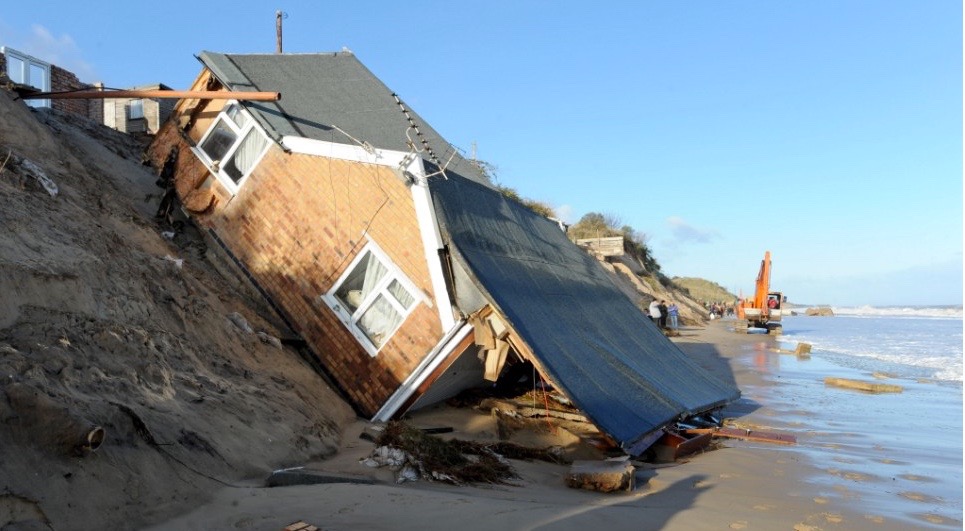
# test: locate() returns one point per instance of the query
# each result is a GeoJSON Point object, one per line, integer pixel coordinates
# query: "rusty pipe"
{"type": "Point", "coordinates": [48, 424]}
{"type": "Point", "coordinates": [167, 94]}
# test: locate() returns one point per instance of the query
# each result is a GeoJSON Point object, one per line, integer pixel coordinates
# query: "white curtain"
{"type": "Point", "coordinates": [244, 157]}
{"type": "Point", "coordinates": [364, 288]}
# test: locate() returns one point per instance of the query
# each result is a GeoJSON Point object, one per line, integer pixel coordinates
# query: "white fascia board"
{"type": "Point", "coordinates": [431, 240]}
{"type": "Point", "coordinates": [430, 363]}
{"type": "Point", "coordinates": [350, 152]}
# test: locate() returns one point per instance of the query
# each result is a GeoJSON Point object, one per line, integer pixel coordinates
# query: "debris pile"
{"type": "Point", "coordinates": [416, 454]}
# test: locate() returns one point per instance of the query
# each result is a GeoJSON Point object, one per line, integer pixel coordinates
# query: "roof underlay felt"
{"type": "Point", "coordinates": [590, 339]}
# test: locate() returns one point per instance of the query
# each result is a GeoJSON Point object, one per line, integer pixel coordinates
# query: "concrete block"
{"type": "Point", "coordinates": [601, 476]}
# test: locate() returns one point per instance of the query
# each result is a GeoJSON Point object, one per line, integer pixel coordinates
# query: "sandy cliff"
{"type": "Point", "coordinates": [105, 322]}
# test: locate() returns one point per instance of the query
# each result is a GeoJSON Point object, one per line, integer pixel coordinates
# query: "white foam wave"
{"type": "Point", "coordinates": [935, 312]}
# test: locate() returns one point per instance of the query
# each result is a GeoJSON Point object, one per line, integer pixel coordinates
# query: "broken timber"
{"type": "Point", "coordinates": [672, 446]}
{"type": "Point", "coordinates": [749, 435]}
{"type": "Point", "coordinates": [862, 386]}
{"type": "Point", "coordinates": [169, 94]}
{"type": "Point", "coordinates": [803, 350]}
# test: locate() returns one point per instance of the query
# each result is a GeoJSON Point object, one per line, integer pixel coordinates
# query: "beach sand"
{"type": "Point", "coordinates": [829, 480]}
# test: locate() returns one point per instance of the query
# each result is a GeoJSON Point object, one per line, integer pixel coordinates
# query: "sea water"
{"type": "Point", "coordinates": [908, 342]}
{"type": "Point", "coordinates": [905, 448]}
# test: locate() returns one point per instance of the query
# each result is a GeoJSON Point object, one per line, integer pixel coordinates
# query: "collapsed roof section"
{"type": "Point", "coordinates": [586, 336]}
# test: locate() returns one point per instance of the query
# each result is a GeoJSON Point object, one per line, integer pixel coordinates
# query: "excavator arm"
{"type": "Point", "coordinates": [763, 285]}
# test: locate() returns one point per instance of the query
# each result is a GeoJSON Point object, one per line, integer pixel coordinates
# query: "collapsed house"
{"type": "Point", "coordinates": [406, 273]}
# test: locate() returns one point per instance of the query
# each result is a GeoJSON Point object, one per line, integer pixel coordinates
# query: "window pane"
{"type": "Point", "coordinates": [244, 157]}
{"type": "Point", "coordinates": [238, 117]}
{"type": "Point", "coordinates": [16, 69]}
{"type": "Point", "coordinates": [38, 77]}
{"type": "Point", "coordinates": [219, 141]}
{"type": "Point", "coordinates": [361, 282]}
{"type": "Point", "coordinates": [401, 294]}
{"type": "Point", "coordinates": [137, 109]}
{"type": "Point", "coordinates": [379, 320]}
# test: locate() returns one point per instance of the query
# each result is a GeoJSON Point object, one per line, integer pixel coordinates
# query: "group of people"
{"type": "Point", "coordinates": [719, 309]}
{"type": "Point", "coordinates": [664, 314]}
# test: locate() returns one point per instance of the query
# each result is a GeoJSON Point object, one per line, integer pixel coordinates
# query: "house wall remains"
{"type": "Point", "coordinates": [295, 225]}
{"type": "Point", "coordinates": [62, 80]}
{"type": "Point", "coordinates": [117, 114]}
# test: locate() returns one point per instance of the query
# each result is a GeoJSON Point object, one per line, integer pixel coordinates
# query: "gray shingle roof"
{"type": "Point", "coordinates": [324, 92]}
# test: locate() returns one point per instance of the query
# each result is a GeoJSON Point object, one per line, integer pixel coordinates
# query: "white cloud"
{"type": "Point", "coordinates": [61, 51]}
{"type": "Point", "coordinates": [684, 232]}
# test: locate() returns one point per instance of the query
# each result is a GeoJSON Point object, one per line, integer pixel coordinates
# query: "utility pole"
{"type": "Point", "coordinates": [278, 17]}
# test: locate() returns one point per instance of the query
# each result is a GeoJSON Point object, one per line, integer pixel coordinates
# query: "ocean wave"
{"type": "Point", "coordinates": [939, 312]}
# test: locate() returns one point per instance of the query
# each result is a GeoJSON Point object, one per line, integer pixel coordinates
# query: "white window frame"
{"type": "Point", "coordinates": [240, 132]}
{"type": "Point", "coordinates": [350, 319]}
{"type": "Point", "coordinates": [29, 62]}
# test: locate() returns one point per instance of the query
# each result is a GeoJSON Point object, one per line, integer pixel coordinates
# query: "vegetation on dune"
{"type": "Point", "coordinates": [703, 290]}
{"type": "Point", "coordinates": [597, 225]}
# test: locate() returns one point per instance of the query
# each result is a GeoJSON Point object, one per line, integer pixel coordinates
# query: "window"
{"type": "Point", "coordinates": [21, 68]}
{"type": "Point", "coordinates": [232, 146]}
{"type": "Point", "coordinates": [372, 298]}
{"type": "Point", "coordinates": [135, 110]}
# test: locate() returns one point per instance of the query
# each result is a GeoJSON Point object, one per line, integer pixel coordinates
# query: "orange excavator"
{"type": "Point", "coordinates": [764, 309]}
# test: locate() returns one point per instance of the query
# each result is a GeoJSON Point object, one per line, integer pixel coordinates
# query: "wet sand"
{"type": "Point", "coordinates": [847, 471]}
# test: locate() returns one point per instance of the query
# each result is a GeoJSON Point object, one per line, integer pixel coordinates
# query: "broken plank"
{"type": "Point", "coordinates": [539, 412]}
{"type": "Point", "coordinates": [749, 435]}
{"type": "Point", "coordinates": [672, 446]}
{"type": "Point", "coordinates": [860, 385]}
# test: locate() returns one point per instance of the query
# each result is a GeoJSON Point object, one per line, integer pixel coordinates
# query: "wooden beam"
{"type": "Point", "coordinates": [860, 385]}
{"type": "Point", "coordinates": [164, 94]}
{"type": "Point", "coordinates": [750, 435]}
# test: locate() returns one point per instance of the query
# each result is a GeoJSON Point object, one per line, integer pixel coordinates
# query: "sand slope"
{"type": "Point", "coordinates": [101, 325]}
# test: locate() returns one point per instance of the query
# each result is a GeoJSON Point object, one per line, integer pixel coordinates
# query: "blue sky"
{"type": "Point", "coordinates": [828, 132]}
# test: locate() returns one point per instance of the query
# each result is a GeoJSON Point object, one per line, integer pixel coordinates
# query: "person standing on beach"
{"type": "Point", "coordinates": [663, 314]}
{"type": "Point", "coordinates": [672, 313]}
{"type": "Point", "coordinates": [654, 311]}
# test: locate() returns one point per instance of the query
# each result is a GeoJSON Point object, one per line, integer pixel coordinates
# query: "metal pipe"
{"type": "Point", "coordinates": [166, 94]}
{"type": "Point", "coordinates": [278, 15]}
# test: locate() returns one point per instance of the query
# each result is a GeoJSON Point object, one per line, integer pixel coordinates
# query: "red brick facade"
{"type": "Point", "coordinates": [62, 80]}
{"type": "Point", "coordinates": [295, 225]}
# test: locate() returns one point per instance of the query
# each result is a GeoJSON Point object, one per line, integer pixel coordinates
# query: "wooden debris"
{"type": "Point", "coordinates": [803, 350]}
{"type": "Point", "coordinates": [749, 435]}
{"type": "Point", "coordinates": [672, 446]}
{"type": "Point", "coordinates": [869, 387]}
{"type": "Point", "coordinates": [300, 526]}
{"type": "Point", "coordinates": [444, 460]}
{"type": "Point", "coordinates": [601, 476]}
{"type": "Point", "coordinates": [540, 412]}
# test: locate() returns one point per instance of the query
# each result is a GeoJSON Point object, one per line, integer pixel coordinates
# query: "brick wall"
{"type": "Point", "coordinates": [64, 80]}
{"type": "Point", "coordinates": [295, 225]}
